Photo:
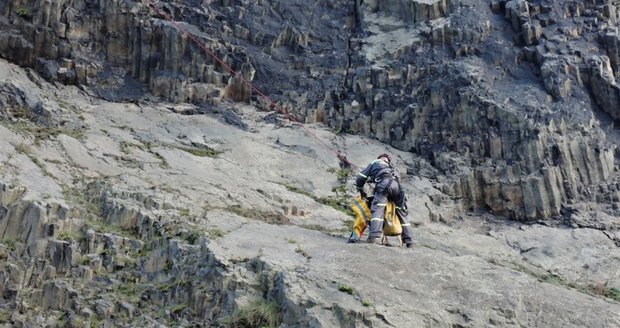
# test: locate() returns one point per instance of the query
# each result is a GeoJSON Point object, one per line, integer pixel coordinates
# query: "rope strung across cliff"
{"type": "Point", "coordinates": [273, 104]}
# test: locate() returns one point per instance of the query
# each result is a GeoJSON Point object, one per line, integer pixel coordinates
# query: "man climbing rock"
{"type": "Point", "coordinates": [387, 188]}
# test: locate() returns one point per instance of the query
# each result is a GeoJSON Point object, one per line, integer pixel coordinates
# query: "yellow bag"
{"type": "Point", "coordinates": [362, 217]}
{"type": "Point", "coordinates": [391, 223]}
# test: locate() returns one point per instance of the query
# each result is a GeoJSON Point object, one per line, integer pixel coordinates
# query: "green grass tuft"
{"type": "Point", "coordinates": [298, 190]}
{"type": "Point", "coordinates": [192, 236]}
{"type": "Point", "coordinates": [9, 243]}
{"type": "Point", "coordinates": [178, 308]}
{"type": "Point", "coordinates": [24, 13]}
{"type": "Point", "coordinates": [69, 235]}
{"type": "Point", "coordinates": [340, 203]}
{"type": "Point", "coordinates": [612, 293]}
{"type": "Point", "coordinates": [346, 289]}
{"type": "Point", "coordinates": [256, 314]}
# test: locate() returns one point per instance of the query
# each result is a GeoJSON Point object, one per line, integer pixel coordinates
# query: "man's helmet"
{"type": "Point", "coordinates": [389, 159]}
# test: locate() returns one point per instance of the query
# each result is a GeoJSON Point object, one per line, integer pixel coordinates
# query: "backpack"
{"type": "Point", "coordinates": [391, 223]}
{"type": "Point", "coordinates": [362, 218]}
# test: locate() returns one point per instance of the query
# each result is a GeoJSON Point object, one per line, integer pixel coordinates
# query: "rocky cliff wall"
{"type": "Point", "coordinates": [135, 214]}
{"type": "Point", "coordinates": [466, 94]}
{"type": "Point", "coordinates": [117, 269]}
{"type": "Point", "coordinates": [506, 99]}
{"type": "Point", "coordinates": [102, 44]}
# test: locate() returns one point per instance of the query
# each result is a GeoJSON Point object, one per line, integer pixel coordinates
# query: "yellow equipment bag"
{"type": "Point", "coordinates": [362, 217]}
{"type": "Point", "coordinates": [391, 223]}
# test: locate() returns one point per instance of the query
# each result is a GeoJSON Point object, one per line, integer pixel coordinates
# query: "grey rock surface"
{"type": "Point", "coordinates": [142, 231]}
{"type": "Point", "coordinates": [415, 74]}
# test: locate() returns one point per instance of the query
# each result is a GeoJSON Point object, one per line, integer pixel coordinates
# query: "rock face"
{"type": "Point", "coordinates": [106, 44]}
{"type": "Point", "coordinates": [151, 217]}
{"type": "Point", "coordinates": [119, 206]}
{"type": "Point", "coordinates": [481, 118]}
{"type": "Point", "coordinates": [425, 76]}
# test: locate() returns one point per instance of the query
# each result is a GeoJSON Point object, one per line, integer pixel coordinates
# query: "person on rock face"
{"type": "Point", "coordinates": [387, 188]}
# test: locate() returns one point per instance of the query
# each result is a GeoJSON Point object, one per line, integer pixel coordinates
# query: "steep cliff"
{"type": "Point", "coordinates": [510, 100]}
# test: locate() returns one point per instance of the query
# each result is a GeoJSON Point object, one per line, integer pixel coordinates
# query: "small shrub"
{"type": "Point", "coordinates": [173, 284]}
{"type": "Point", "coordinates": [366, 303]}
{"type": "Point", "coordinates": [10, 244]}
{"type": "Point", "coordinates": [85, 260]}
{"type": "Point", "coordinates": [612, 293]}
{"type": "Point", "coordinates": [339, 203]}
{"type": "Point", "coordinates": [346, 289]}
{"type": "Point", "coordinates": [242, 211]}
{"type": "Point", "coordinates": [298, 190]}
{"type": "Point", "coordinates": [68, 235]}
{"type": "Point", "coordinates": [23, 113]}
{"type": "Point", "coordinates": [341, 131]}
{"type": "Point", "coordinates": [552, 279]}
{"type": "Point", "coordinates": [343, 175]}
{"type": "Point", "coordinates": [192, 236]}
{"type": "Point", "coordinates": [24, 13]}
{"type": "Point", "coordinates": [340, 191]}
{"type": "Point", "coordinates": [256, 314]}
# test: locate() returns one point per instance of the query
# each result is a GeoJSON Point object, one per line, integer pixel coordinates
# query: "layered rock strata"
{"type": "Point", "coordinates": [54, 263]}
{"type": "Point", "coordinates": [463, 95]}
{"type": "Point", "coordinates": [456, 82]}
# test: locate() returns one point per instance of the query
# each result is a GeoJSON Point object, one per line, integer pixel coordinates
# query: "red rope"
{"type": "Point", "coordinates": [273, 104]}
